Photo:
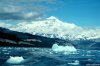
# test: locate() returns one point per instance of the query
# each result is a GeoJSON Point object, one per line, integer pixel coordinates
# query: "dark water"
{"type": "Point", "coordinates": [47, 57]}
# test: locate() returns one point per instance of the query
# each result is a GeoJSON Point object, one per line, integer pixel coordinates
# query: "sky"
{"type": "Point", "coordinates": [80, 12]}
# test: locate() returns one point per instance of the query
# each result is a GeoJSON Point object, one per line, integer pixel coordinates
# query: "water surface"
{"type": "Point", "coordinates": [47, 57]}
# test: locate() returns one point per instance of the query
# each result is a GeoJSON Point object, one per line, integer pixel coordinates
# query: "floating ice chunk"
{"type": "Point", "coordinates": [15, 60]}
{"type": "Point", "coordinates": [76, 62]}
{"type": "Point", "coordinates": [59, 48]}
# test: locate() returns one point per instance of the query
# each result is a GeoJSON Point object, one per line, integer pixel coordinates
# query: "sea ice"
{"type": "Point", "coordinates": [15, 60]}
{"type": "Point", "coordinates": [59, 48]}
{"type": "Point", "coordinates": [76, 62]}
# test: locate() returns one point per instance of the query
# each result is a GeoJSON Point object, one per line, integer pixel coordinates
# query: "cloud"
{"type": "Point", "coordinates": [24, 9]}
{"type": "Point", "coordinates": [28, 1]}
{"type": "Point", "coordinates": [20, 16]}
{"type": "Point", "coordinates": [5, 25]}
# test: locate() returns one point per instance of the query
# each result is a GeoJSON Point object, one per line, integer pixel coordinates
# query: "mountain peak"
{"type": "Point", "coordinates": [53, 27]}
{"type": "Point", "coordinates": [52, 17]}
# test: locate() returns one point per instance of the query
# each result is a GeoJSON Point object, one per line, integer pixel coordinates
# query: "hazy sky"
{"type": "Point", "coordinates": [80, 12]}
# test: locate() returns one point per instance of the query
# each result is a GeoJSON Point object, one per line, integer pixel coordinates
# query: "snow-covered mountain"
{"type": "Point", "coordinates": [54, 28]}
{"type": "Point", "coordinates": [20, 39]}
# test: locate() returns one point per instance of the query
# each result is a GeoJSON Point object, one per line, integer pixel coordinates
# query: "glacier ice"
{"type": "Point", "coordinates": [58, 48]}
{"type": "Point", "coordinates": [15, 60]}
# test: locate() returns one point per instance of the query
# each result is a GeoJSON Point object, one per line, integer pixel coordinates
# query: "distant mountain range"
{"type": "Point", "coordinates": [14, 38]}
{"type": "Point", "coordinates": [44, 33]}
{"type": "Point", "coordinates": [52, 27]}
{"type": "Point", "coordinates": [20, 39]}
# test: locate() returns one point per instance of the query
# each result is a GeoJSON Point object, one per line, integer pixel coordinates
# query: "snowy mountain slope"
{"type": "Point", "coordinates": [20, 39]}
{"type": "Point", "coordinates": [54, 28]}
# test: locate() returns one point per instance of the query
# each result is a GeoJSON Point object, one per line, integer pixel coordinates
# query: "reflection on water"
{"type": "Point", "coordinates": [47, 57]}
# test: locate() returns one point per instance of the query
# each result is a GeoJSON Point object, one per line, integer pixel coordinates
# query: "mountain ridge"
{"type": "Point", "coordinates": [14, 38]}
{"type": "Point", "coordinates": [52, 27]}
{"type": "Point", "coordinates": [20, 39]}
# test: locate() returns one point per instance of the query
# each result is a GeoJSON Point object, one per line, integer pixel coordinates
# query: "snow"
{"type": "Point", "coordinates": [54, 28]}
{"type": "Point", "coordinates": [15, 60]}
{"type": "Point", "coordinates": [58, 48]}
{"type": "Point", "coordinates": [52, 17]}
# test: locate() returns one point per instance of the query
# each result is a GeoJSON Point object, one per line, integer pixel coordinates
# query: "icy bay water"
{"type": "Point", "coordinates": [47, 57]}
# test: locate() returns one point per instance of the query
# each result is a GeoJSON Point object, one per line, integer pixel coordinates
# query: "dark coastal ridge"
{"type": "Point", "coordinates": [19, 39]}
{"type": "Point", "coordinates": [9, 38]}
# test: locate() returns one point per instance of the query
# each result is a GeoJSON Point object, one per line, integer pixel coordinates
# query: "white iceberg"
{"type": "Point", "coordinates": [58, 48]}
{"type": "Point", "coordinates": [76, 62]}
{"type": "Point", "coordinates": [15, 60]}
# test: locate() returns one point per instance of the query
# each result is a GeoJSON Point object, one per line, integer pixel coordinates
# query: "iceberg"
{"type": "Point", "coordinates": [76, 62]}
{"type": "Point", "coordinates": [15, 60]}
{"type": "Point", "coordinates": [59, 48]}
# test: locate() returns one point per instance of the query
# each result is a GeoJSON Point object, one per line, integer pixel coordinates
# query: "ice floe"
{"type": "Point", "coordinates": [76, 62]}
{"type": "Point", "coordinates": [59, 48]}
{"type": "Point", "coordinates": [15, 60]}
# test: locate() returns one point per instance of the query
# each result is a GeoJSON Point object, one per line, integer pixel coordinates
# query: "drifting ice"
{"type": "Point", "coordinates": [15, 60]}
{"type": "Point", "coordinates": [76, 62]}
{"type": "Point", "coordinates": [58, 48]}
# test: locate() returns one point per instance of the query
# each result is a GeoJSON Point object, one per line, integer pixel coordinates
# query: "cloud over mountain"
{"type": "Point", "coordinates": [24, 9]}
